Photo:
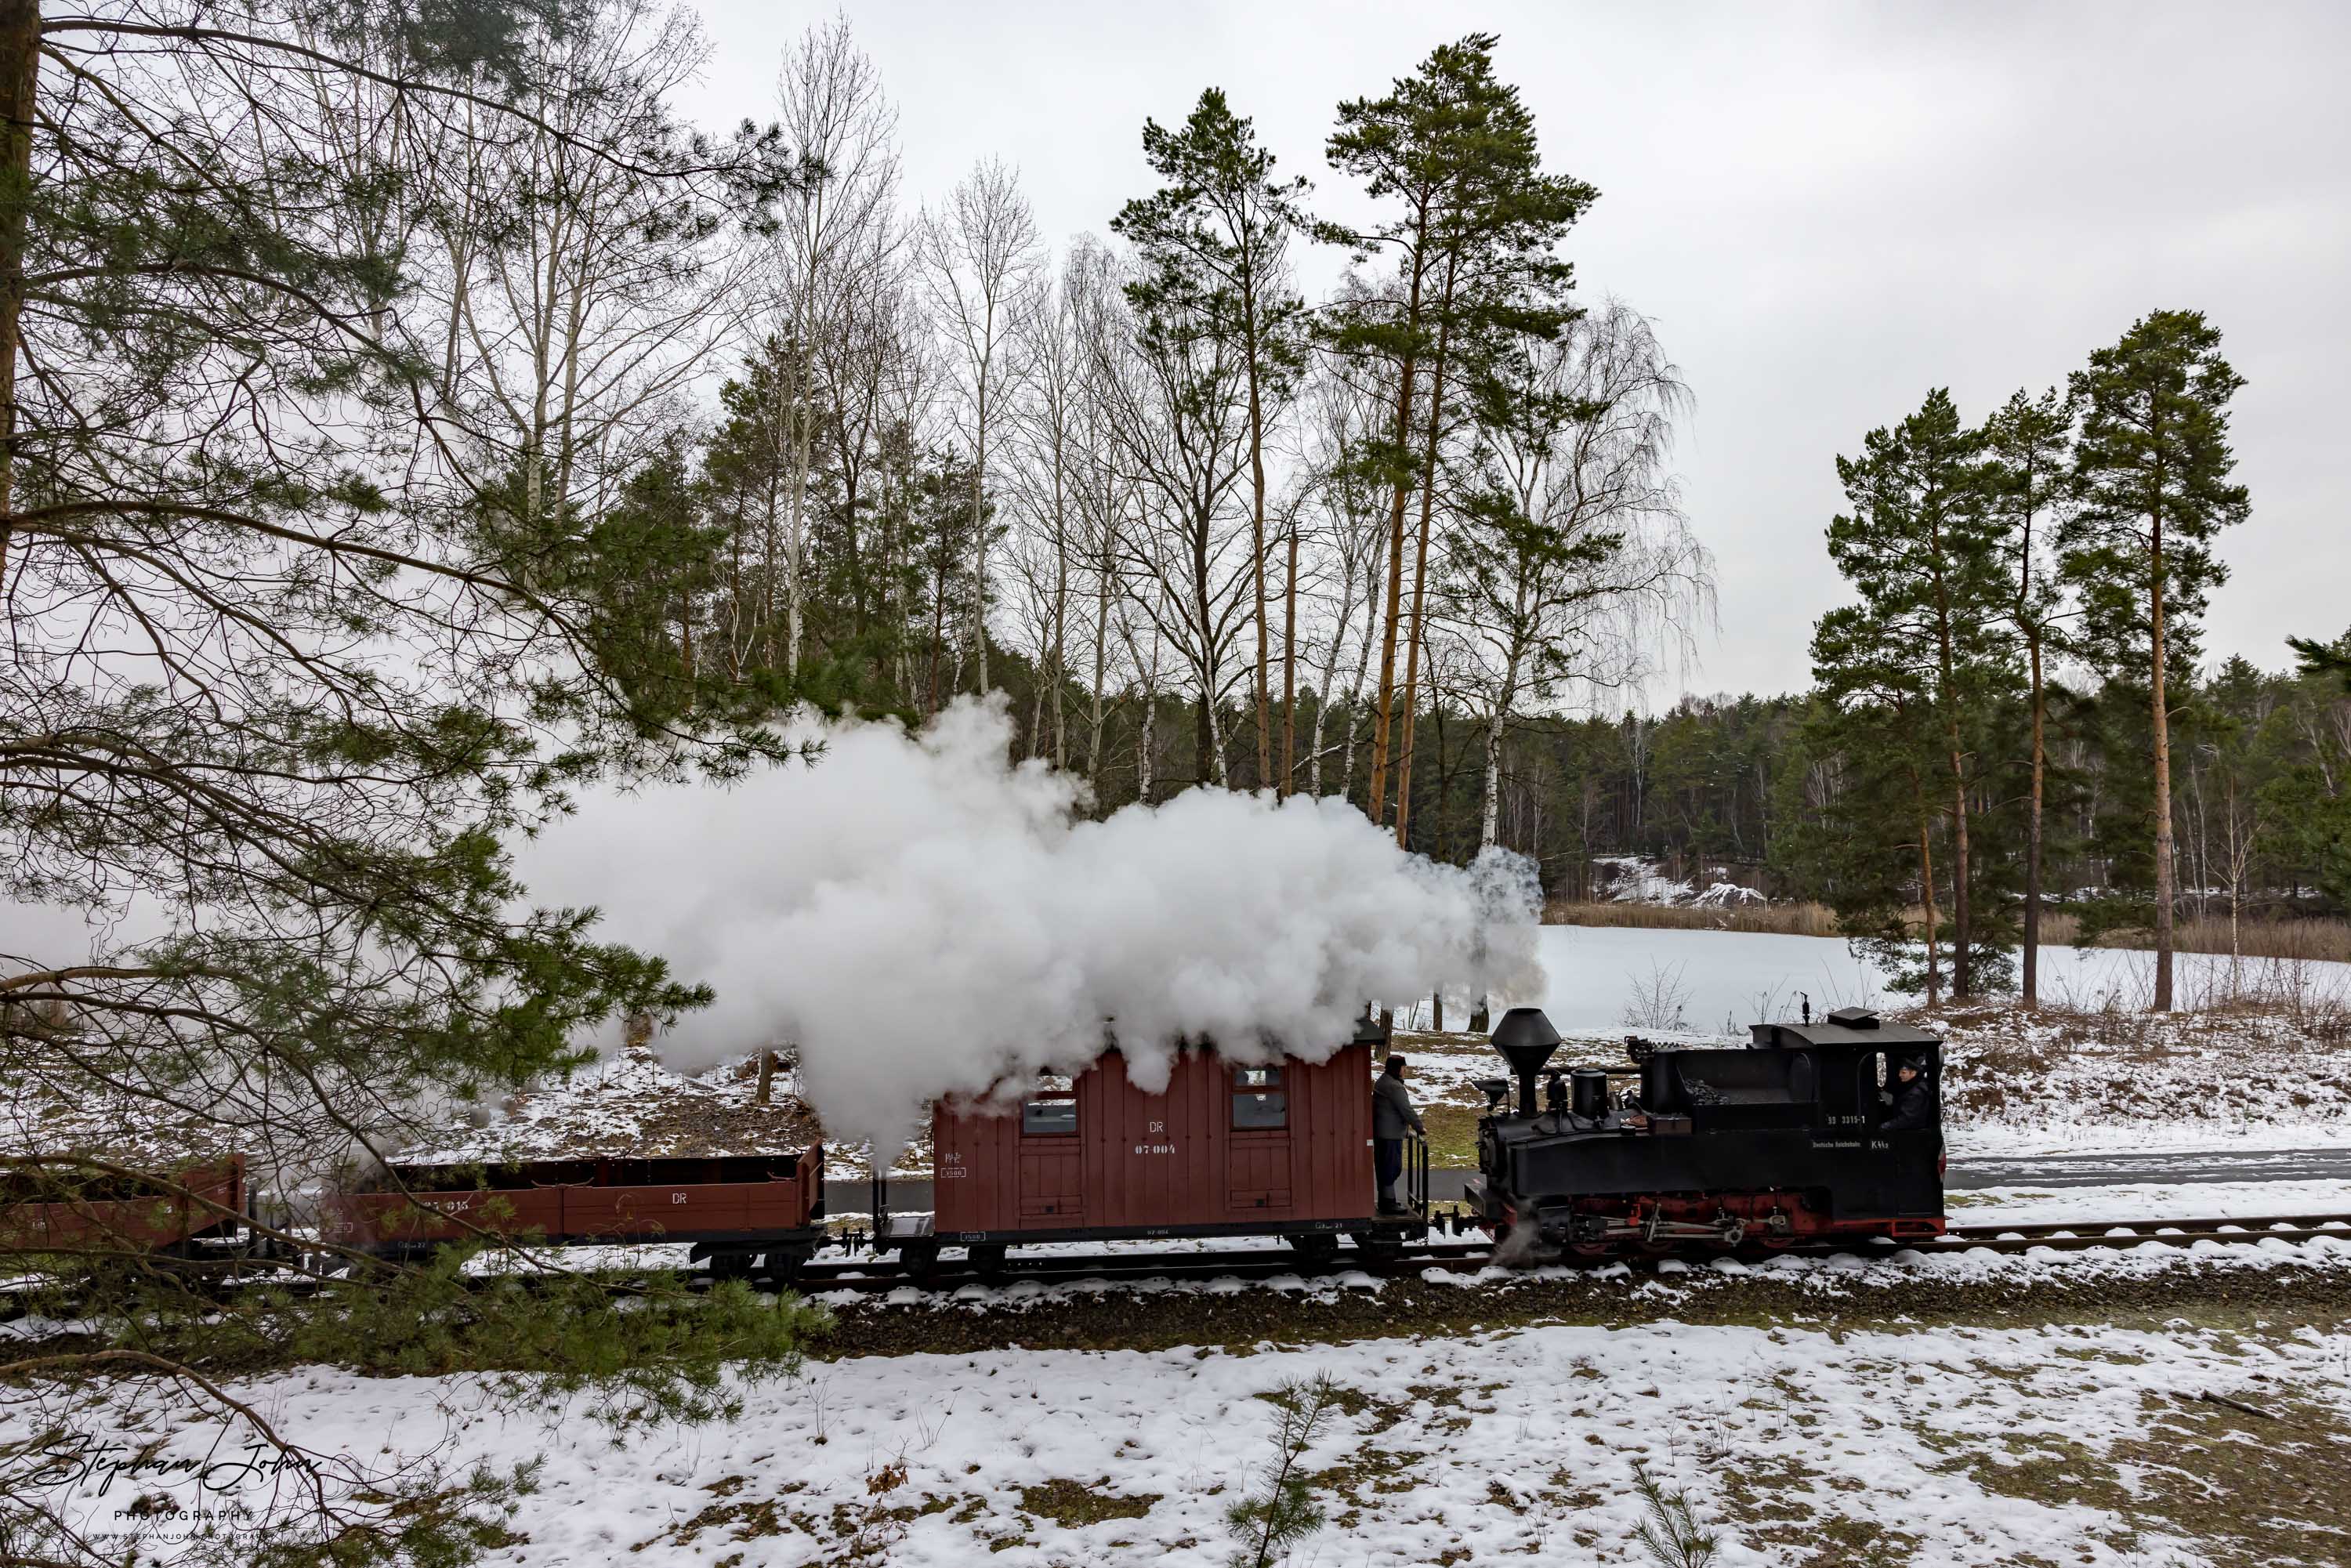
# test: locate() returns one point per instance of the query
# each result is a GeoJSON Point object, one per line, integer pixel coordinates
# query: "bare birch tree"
{"type": "Point", "coordinates": [1181, 421]}
{"type": "Point", "coordinates": [981, 257]}
{"type": "Point", "coordinates": [580, 297]}
{"type": "Point", "coordinates": [1574, 564]}
{"type": "Point", "coordinates": [1339, 512]}
{"type": "Point", "coordinates": [834, 245]}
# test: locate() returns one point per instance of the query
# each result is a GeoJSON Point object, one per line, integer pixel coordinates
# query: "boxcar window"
{"type": "Point", "coordinates": [1049, 1118]}
{"type": "Point", "coordinates": [1260, 1103]}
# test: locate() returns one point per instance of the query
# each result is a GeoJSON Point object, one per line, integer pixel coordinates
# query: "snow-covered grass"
{"type": "Point", "coordinates": [2248, 1076]}
{"type": "Point", "coordinates": [2070, 1443]}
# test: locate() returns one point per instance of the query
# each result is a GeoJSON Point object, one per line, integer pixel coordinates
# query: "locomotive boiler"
{"type": "Point", "coordinates": [1812, 1131]}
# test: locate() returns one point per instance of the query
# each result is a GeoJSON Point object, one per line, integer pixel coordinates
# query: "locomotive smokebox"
{"type": "Point", "coordinates": [1526, 1040]}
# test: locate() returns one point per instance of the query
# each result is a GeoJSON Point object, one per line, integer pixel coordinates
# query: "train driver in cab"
{"type": "Point", "coordinates": [1911, 1101]}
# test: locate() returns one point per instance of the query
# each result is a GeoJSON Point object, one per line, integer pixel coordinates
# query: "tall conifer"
{"type": "Point", "coordinates": [1474, 233]}
{"type": "Point", "coordinates": [2028, 446]}
{"type": "Point", "coordinates": [1918, 546]}
{"type": "Point", "coordinates": [2151, 473]}
{"type": "Point", "coordinates": [1213, 242]}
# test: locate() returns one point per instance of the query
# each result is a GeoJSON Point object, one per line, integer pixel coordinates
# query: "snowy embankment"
{"type": "Point", "coordinates": [2088, 1444]}
{"type": "Point", "coordinates": [2090, 1073]}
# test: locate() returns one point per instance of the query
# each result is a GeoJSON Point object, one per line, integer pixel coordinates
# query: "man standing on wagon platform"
{"type": "Point", "coordinates": [1392, 1116]}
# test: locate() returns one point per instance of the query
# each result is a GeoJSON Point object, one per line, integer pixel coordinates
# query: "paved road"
{"type": "Point", "coordinates": [2186, 1166]}
{"type": "Point", "coordinates": [2026, 1170]}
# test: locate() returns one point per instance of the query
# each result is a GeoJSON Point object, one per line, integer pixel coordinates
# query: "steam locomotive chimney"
{"type": "Point", "coordinates": [1526, 1040]}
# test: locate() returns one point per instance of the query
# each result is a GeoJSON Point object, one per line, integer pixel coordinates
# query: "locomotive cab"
{"type": "Point", "coordinates": [1795, 1136]}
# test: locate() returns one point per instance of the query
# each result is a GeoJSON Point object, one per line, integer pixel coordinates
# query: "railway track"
{"type": "Point", "coordinates": [881, 1277]}
{"type": "Point", "coordinates": [873, 1276]}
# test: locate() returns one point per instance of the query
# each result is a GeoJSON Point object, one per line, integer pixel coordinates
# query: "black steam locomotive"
{"type": "Point", "coordinates": [1812, 1130]}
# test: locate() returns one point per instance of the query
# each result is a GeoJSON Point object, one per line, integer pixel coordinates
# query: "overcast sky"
{"type": "Point", "coordinates": [1827, 210]}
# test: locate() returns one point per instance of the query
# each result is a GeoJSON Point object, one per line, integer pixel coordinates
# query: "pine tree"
{"type": "Point", "coordinates": [1920, 547]}
{"type": "Point", "coordinates": [1475, 246]}
{"type": "Point", "coordinates": [286, 665]}
{"type": "Point", "coordinates": [1873, 729]}
{"type": "Point", "coordinates": [1213, 242]}
{"type": "Point", "coordinates": [2028, 448]}
{"type": "Point", "coordinates": [2151, 474]}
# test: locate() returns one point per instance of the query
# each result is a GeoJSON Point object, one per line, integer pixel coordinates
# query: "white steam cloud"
{"type": "Point", "coordinates": [924, 918]}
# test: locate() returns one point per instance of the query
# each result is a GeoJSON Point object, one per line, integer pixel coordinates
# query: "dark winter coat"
{"type": "Point", "coordinates": [1914, 1107]}
{"type": "Point", "coordinates": [1392, 1110]}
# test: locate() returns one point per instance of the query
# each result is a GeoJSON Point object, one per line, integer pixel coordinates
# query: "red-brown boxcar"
{"type": "Point", "coordinates": [168, 1212]}
{"type": "Point", "coordinates": [736, 1209]}
{"type": "Point", "coordinates": [1224, 1150]}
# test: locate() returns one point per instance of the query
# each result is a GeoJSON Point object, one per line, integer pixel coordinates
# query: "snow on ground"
{"type": "Point", "coordinates": [2018, 1082]}
{"type": "Point", "coordinates": [2238, 1200]}
{"type": "Point", "coordinates": [2104, 1446]}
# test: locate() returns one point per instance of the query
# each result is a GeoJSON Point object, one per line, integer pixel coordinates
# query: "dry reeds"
{"type": "Point", "coordinates": [2312, 940]}
{"type": "Point", "coordinates": [2305, 939]}
{"type": "Point", "coordinates": [1778, 919]}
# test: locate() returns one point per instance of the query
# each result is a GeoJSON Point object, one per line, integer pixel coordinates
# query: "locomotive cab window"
{"type": "Point", "coordinates": [1049, 1118]}
{"type": "Point", "coordinates": [1260, 1103]}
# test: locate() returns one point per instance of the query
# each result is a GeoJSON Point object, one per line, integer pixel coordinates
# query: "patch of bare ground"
{"type": "Point", "coordinates": [863, 1531]}
{"type": "Point", "coordinates": [2248, 1483]}
{"type": "Point", "coordinates": [1073, 1504]}
{"type": "Point", "coordinates": [1776, 1502]}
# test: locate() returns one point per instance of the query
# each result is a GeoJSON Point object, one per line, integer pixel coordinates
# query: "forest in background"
{"type": "Point", "coordinates": [1390, 545]}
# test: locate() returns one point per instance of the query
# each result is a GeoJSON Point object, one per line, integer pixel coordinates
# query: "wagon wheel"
{"type": "Point", "coordinates": [1316, 1250]}
{"type": "Point", "coordinates": [731, 1265]}
{"type": "Point", "coordinates": [919, 1261]}
{"type": "Point", "coordinates": [783, 1265]}
{"type": "Point", "coordinates": [988, 1261]}
{"type": "Point", "coordinates": [1377, 1247]}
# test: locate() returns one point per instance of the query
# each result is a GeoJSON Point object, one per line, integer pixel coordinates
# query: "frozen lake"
{"type": "Point", "coordinates": [1727, 979]}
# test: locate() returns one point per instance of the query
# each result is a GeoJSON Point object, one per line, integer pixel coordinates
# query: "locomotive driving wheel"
{"type": "Point", "coordinates": [1587, 1236]}
{"type": "Point", "coordinates": [1652, 1240]}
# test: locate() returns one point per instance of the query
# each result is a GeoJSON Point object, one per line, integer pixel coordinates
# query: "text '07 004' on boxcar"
{"type": "Point", "coordinates": [1812, 1131]}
